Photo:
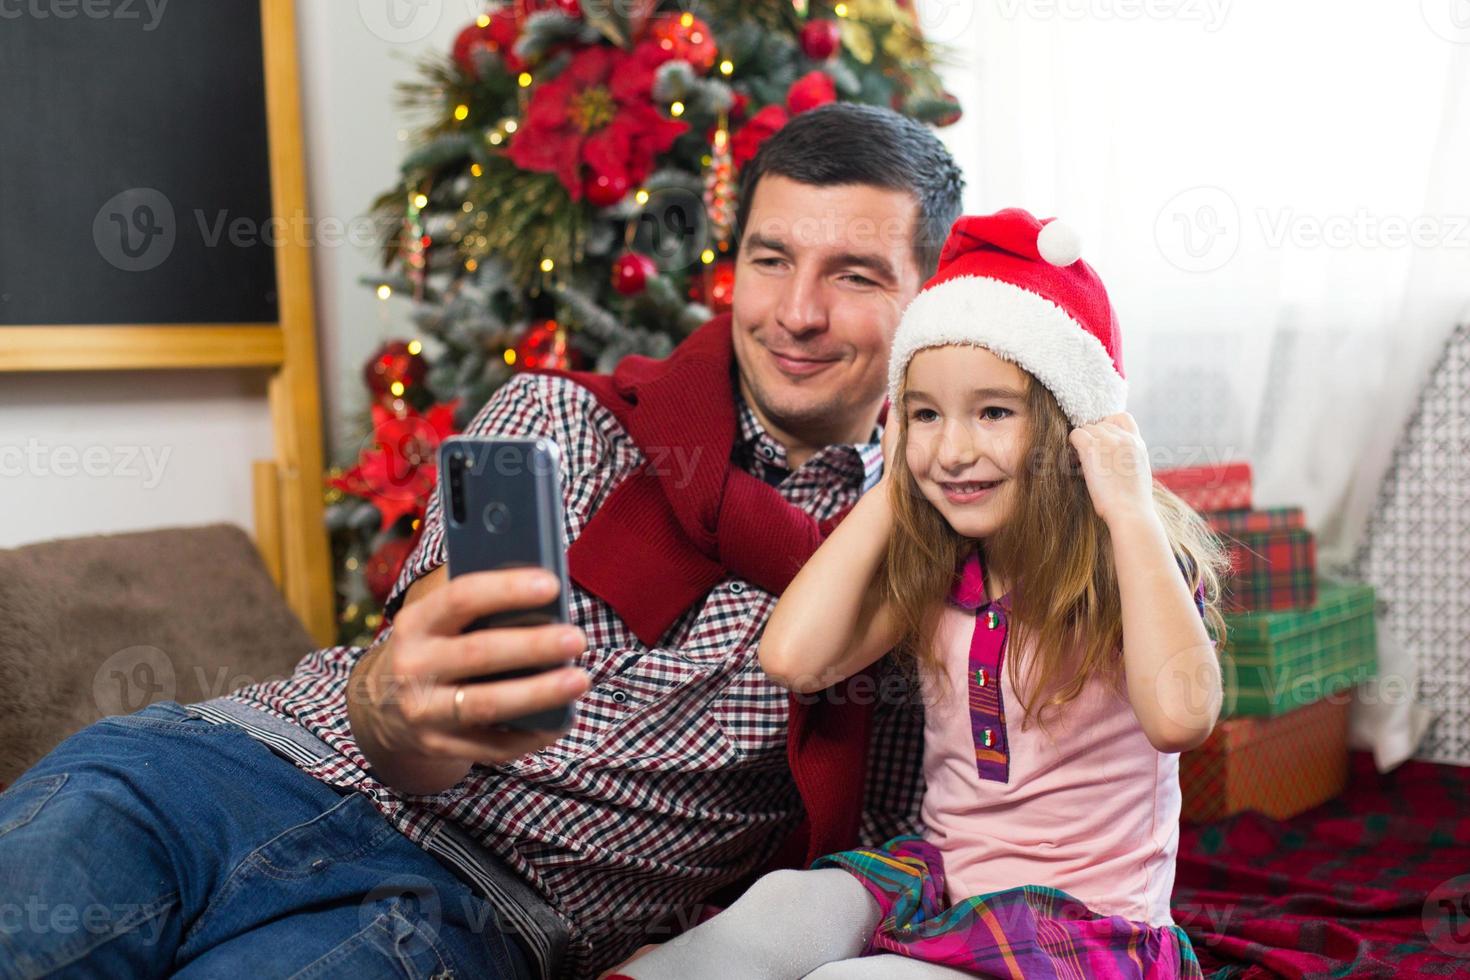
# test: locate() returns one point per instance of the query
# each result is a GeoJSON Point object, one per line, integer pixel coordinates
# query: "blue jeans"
{"type": "Point", "coordinates": [158, 843]}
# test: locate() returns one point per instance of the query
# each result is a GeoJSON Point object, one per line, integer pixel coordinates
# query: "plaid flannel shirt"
{"type": "Point", "coordinates": [673, 782]}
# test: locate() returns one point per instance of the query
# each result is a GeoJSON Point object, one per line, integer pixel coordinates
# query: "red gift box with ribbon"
{"type": "Point", "coordinates": [1226, 486]}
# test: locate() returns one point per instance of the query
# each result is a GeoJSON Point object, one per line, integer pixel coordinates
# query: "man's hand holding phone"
{"type": "Point", "coordinates": [416, 708]}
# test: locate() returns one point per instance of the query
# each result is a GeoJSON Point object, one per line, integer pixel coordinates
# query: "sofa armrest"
{"type": "Point", "coordinates": [108, 624]}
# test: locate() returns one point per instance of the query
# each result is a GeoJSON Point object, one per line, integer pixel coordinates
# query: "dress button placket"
{"type": "Point", "coordinates": [987, 708]}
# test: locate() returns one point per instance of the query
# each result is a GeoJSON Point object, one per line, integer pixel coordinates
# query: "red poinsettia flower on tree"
{"type": "Point", "coordinates": [397, 473]}
{"type": "Point", "coordinates": [748, 139]}
{"type": "Point", "coordinates": [596, 120]}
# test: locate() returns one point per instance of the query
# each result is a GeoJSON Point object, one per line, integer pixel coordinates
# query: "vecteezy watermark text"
{"type": "Point", "coordinates": [136, 230]}
{"type": "Point", "coordinates": [40, 459]}
{"type": "Point", "coordinates": [1201, 229]}
{"type": "Point", "coordinates": [88, 9]}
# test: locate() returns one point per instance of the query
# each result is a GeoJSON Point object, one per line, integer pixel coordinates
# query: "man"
{"type": "Point", "coordinates": [431, 840]}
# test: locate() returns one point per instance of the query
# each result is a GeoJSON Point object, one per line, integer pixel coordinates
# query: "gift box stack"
{"type": "Point", "coordinates": [1296, 646]}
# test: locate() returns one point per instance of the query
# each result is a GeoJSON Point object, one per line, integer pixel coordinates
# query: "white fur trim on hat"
{"type": "Point", "coordinates": [1018, 326]}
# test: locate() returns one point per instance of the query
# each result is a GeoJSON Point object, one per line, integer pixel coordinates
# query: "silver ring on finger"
{"type": "Point", "coordinates": [458, 704]}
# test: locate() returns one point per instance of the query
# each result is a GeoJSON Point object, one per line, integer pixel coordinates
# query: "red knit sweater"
{"type": "Point", "coordinates": [655, 548]}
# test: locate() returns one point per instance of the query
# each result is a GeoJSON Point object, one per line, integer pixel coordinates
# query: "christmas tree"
{"type": "Point", "coordinates": [571, 203]}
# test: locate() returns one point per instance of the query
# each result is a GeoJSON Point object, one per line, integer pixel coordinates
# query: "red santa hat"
{"type": "Point", "coordinates": [1017, 286]}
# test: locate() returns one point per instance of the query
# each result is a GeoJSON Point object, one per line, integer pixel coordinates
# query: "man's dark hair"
{"type": "Point", "coordinates": [845, 143]}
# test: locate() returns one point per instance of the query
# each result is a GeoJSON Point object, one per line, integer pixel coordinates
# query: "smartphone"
{"type": "Point", "coordinates": [502, 507]}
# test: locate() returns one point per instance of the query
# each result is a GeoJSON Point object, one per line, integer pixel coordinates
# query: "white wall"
{"type": "Point", "coordinates": [83, 453]}
{"type": "Point", "coordinates": [352, 57]}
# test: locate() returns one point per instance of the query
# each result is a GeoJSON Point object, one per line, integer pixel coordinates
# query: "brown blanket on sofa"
{"type": "Point", "coordinates": [107, 624]}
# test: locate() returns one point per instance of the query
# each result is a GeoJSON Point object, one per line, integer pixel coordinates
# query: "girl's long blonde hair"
{"type": "Point", "coordinates": [1056, 556]}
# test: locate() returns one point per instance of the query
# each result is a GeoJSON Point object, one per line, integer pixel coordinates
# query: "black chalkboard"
{"type": "Point", "coordinates": [133, 142]}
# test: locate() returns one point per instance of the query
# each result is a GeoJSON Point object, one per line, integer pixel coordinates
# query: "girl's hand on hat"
{"type": "Point", "coordinates": [1115, 465]}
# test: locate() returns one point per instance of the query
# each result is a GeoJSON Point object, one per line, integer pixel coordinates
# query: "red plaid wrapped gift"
{"type": "Point", "coordinates": [1273, 559]}
{"type": "Point", "coordinates": [1278, 766]}
{"type": "Point", "coordinates": [1223, 487]}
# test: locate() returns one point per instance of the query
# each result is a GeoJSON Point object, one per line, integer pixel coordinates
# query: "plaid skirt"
{"type": "Point", "coordinates": [1030, 931]}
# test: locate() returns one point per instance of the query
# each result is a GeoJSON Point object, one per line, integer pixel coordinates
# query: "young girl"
{"type": "Point", "coordinates": [1020, 555]}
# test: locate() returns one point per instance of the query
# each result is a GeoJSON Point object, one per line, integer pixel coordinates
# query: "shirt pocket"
{"type": "Point", "coordinates": [645, 710]}
{"type": "Point", "coordinates": [730, 620]}
{"type": "Point", "coordinates": [754, 711]}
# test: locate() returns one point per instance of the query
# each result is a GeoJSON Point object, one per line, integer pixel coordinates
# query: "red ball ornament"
{"type": "Point", "coordinates": [382, 569]}
{"type": "Point", "coordinates": [631, 273]}
{"type": "Point", "coordinates": [953, 115]}
{"type": "Point", "coordinates": [499, 34]}
{"type": "Point", "coordinates": [605, 190]}
{"type": "Point", "coordinates": [687, 38]}
{"type": "Point", "coordinates": [544, 345]}
{"type": "Point", "coordinates": [810, 91]}
{"type": "Point", "coordinates": [821, 39]}
{"type": "Point", "coordinates": [393, 362]}
{"type": "Point", "coordinates": [468, 45]}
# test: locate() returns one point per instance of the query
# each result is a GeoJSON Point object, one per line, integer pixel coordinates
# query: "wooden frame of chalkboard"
{"type": "Point", "coordinates": [229, 302]}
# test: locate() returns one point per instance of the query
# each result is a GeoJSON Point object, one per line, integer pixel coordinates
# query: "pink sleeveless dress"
{"type": "Point", "coordinates": [1046, 852]}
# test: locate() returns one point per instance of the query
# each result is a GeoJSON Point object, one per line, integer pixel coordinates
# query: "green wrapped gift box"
{"type": "Point", "coordinates": [1280, 660]}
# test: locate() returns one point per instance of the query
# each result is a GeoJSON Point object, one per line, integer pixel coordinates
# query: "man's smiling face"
{"type": "Point", "coordinates": [824, 275]}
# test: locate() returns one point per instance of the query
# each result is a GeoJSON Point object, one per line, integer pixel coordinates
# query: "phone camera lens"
{"type": "Point", "coordinates": [497, 517]}
{"type": "Point", "coordinates": [456, 487]}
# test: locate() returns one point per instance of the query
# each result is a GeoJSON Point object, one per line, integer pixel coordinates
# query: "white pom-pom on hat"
{"type": "Point", "coordinates": [1059, 244]}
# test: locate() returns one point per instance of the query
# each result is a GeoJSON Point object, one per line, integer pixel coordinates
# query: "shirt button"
{"type": "Point", "coordinates": [981, 677]}
{"type": "Point", "coordinates": [768, 452]}
{"type": "Point", "coordinates": [989, 737]}
{"type": "Point", "coordinates": [619, 696]}
{"type": "Point", "coordinates": [992, 619]}
{"type": "Point", "coordinates": [737, 587]}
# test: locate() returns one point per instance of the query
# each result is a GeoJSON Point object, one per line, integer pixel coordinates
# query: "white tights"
{"type": "Point", "coordinates": [788, 925]}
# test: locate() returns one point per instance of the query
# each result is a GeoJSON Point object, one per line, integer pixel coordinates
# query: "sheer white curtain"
{"type": "Point", "coordinates": [1278, 197]}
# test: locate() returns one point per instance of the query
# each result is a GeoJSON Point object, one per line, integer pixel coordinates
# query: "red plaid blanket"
{"type": "Point", "coordinates": [1373, 884]}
